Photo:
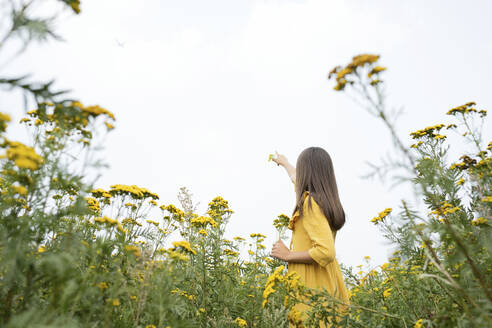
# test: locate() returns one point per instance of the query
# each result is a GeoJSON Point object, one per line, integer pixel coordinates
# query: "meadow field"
{"type": "Point", "coordinates": [76, 254]}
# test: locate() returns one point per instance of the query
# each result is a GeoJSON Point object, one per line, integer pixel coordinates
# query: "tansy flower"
{"type": "Point", "coordinates": [387, 292]}
{"type": "Point", "coordinates": [381, 215]}
{"type": "Point", "coordinates": [184, 245]}
{"type": "Point", "coordinates": [240, 322]}
{"type": "Point", "coordinates": [479, 221]}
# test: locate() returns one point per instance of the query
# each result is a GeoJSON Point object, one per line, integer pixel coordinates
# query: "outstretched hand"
{"type": "Point", "coordinates": [280, 251]}
{"type": "Point", "coordinates": [280, 159]}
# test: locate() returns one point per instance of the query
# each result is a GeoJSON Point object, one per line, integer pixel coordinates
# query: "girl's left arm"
{"type": "Point", "coordinates": [281, 252]}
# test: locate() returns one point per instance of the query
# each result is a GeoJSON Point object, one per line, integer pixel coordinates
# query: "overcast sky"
{"type": "Point", "coordinates": [203, 91]}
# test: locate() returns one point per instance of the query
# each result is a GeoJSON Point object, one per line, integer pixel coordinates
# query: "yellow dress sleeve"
{"type": "Point", "coordinates": [319, 231]}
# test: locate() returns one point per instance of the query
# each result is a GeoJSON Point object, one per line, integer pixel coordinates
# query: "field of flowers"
{"type": "Point", "coordinates": [73, 254]}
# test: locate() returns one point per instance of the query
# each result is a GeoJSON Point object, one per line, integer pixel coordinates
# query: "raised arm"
{"type": "Point", "coordinates": [289, 168]}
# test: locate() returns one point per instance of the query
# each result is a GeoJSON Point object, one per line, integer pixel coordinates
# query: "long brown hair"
{"type": "Point", "coordinates": [314, 173]}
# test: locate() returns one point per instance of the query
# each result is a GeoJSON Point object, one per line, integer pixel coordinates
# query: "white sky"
{"type": "Point", "coordinates": [203, 91]}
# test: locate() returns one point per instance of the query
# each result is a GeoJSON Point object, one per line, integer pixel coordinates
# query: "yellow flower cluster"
{"type": "Point", "coordinates": [21, 190]}
{"type": "Point", "coordinates": [376, 70]}
{"type": "Point", "coordinates": [183, 293]}
{"type": "Point", "coordinates": [257, 235]}
{"type": "Point", "coordinates": [93, 110]}
{"type": "Point", "coordinates": [341, 74]}
{"type": "Point", "coordinates": [218, 202]}
{"type": "Point", "coordinates": [178, 214]}
{"type": "Point", "coordinates": [240, 322]}
{"type": "Point", "coordinates": [23, 156]}
{"type": "Point", "coordinates": [134, 249]}
{"type": "Point", "coordinates": [153, 222]}
{"type": "Point", "coordinates": [131, 221]}
{"type": "Point", "coordinates": [230, 252]}
{"type": "Point", "coordinates": [479, 221]}
{"type": "Point", "coordinates": [184, 245]}
{"type": "Point", "coordinates": [416, 145]}
{"type": "Point", "coordinates": [295, 318]}
{"type": "Point", "coordinates": [203, 221]}
{"type": "Point", "coordinates": [69, 114]}
{"type": "Point", "coordinates": [381, 215]}
{"type": "Point", "coordinates": [132, 191]}
{"type": "Point", "coordinates": [281, 222]}
{"type": "Point", "coordinates": [387, 292]}
{"type": "Point", "coordinates": [103, 285]}
{"type": "Point", "coordinates": [487, 199]}
{"type": "Point", "coordinates": [444, 209]}
{"type": "Point", "coordinates": [174, 255]}
{"type": "Point", "coordinates": [93, 204]}
{"type": "Point", "coordinates": [218, 207]}
{"type": "Point", "coordinates": [465, 109]}
{"type": "Point", "coordinates": [101, 193]}
{"type": "Point", "coordinates": [4, 118]}
{"type": "Point", "coordinates": [111, 222]}
{"type": "Point", "coordinates": [428, 132]}
{"type": "Point", "coordinates": [275, 277]}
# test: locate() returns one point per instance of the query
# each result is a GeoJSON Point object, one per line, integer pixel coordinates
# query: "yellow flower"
{"type": "Point", "coordinates": [460, 181]}
{"type": "Point", "coordinates": [295, 318]}
{"type": "Point", "coordinates": [116, 302]}
{"type": "Point", "coordinates": [134, 249]}
{"type": "Point", "coordinates": [387, 292]}
{"type": "Point", "coordinates": [153, 222]}
{"type": "Point", "coordinates": [240, 322]}
{"type": "Point", "coordinates": [381, 215]}
{"type": "Point", "coordinates": [230, 252]}
{"type": "Point", "coordinates": [418, 324]}
{"type": "Point", "coordinates": [479, 221]}
{"type": "Point", "coordinates": [103, 285]}
{"type": "Point", "coordinates": [184, 245]}
{"type": "Point", "coordinates": [487, 199]}
{"type": "Point", "coordinates": [376, 70]}
{"type": "Point", "coordinates": [21, 190]}
{"type": "Point", "coordinates": [23, 156]}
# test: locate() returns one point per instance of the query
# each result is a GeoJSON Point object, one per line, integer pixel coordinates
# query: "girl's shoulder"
{"type": "Point", "coordinates": [306, 210]}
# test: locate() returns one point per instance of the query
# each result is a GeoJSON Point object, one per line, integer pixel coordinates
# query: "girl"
{"type": "Point", "coordinates": [317, 216]}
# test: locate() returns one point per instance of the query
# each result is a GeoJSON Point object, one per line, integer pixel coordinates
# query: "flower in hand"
{"type": "Point", "coordinates": [280, 251]}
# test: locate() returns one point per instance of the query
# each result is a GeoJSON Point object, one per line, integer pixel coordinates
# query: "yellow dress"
{"type": "Point", "coordinates": [312, 233]}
